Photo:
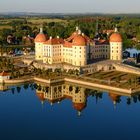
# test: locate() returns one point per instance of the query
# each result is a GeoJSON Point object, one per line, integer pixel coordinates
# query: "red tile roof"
{"type": "Point", "coordinates": [4, 74]}
{"type": "Point", "coordinates": [54, 41]}
{"type": "Point", "coordinates": [72, 36]}
{"type": "Point", "coordinates": [115, 37]}
{"type": "Point", "coordinates": [40, 38]}
{"type": "Point", "coordinates": [70, 39]}
{"type": "Point", "coordinates": [79, 40]}
{"type": "Point", "coordinates": [102, 42]}
{"type": "Point", "coordinates": [67, 44]}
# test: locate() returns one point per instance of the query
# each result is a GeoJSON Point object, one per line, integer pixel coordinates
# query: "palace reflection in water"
{"type": "Point", "coordinates": [77, 94]}
{"type": "Point", "coordinates": [56, 93]}
{"type": "Point", "coordinates": [41, 111]}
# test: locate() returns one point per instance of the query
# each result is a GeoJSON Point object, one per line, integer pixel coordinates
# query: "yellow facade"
{"type": "Point", "coordinates": [75, 55]}
{"type": "Point", "coordinates": [77, 49]}
{"type": "Point", "coordinates": [39, 51]}
{"type": "Point", "coordinates": [100, 51]}
{"type": "Point", "coordinates": [116, 51]}
{"type": "Point", "coordinates": [58, 92]}
{"type": "Point", "coordinates": [52, 54]}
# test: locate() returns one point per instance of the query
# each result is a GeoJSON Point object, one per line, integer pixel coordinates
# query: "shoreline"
{"type": "Point", "coordinates": [73, 81]}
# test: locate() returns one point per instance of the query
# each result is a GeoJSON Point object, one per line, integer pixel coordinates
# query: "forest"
{"type": "Point", "coordinates": [28, 26]}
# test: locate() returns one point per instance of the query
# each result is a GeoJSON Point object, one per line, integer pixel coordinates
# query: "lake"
{"type": "Point", "coordinates": [67, 112]}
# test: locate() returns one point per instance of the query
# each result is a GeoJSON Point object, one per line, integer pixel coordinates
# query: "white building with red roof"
{"type": "Point", "coordinates": [73, 50]}
{"type": "Point", "coordinates": [77, 49]}
{"type": "Point", "coordinates": [4, 76]}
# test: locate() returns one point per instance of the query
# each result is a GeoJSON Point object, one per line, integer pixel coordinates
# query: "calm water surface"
{"type": "Point", "coordinates": [23, 116]}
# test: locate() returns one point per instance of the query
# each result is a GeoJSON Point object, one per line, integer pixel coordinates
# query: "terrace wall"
{"type": "Point", "coordinates": [126, 68]}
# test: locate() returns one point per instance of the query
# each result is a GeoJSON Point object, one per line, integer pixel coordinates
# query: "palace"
{"type": "Point", "coordinates": [78, 49]}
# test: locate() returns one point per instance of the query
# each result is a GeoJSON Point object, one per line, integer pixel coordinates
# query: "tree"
{"type": "Point", "coordinates": [77, 72]}
{"type": "Point", "coordinates": [18, 74]}
{"type": "Point", "coordinates": [31, 86]}
{"type": "Point", "coordinates": [25, 86]}
{"type": "Point", "coordinates": [18, 89]}
{"type": "Point", "coordinates": [35, 86]}
{"type": "Point", "coordinates": [12, 75]}
{"type": "Point", "coordinates": [135, 99]}
{"type": "Point", "coordinates": [13, 90]}
{"type": "Point", "coordinates": [128, 101]}
{"type": "Point", "coordinates": [138, 46]}
{"type": "Point", "coordinates": [39, 87]}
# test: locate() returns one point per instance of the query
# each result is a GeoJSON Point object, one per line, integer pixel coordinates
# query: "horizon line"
{"type": "Point", "coordinates": [103, 13]}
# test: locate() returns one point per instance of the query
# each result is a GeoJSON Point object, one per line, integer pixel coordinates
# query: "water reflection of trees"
{"type": "Point", "coordinates": [25, 86]}
{"type": "Point", "coordinates": [32, 86]}
{"type": "Point", "coordinates": [133, 99]}
{"type": "Point", "coordinates": [88, 92]}
{"type": "Point", "coordinates": [118, 100]}
{"type": "Point", "coordinates": [18, 89]}
{"type": "Point", "coordinates": [94, 93]}
{"type": "Point", "coordinates": [13, 90]}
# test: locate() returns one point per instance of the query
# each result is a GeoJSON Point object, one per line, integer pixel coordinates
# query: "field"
{"type": "Point", "coordinates": [33, 21]}
{"type": "Point", "coordinates": [40, 21]}
{"type": "Point", "coordinates": [5, 27]}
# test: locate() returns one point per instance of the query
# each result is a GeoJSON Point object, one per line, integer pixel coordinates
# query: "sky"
{"type": "Point", "coordinates": [70, 6]}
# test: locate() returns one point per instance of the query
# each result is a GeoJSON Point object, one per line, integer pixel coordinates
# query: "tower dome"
{"type": "Point", "coordinates": [41, 37]}
{"type": "Point", "coordinates": [114, 97]}
{"type": "Point", "coordinates": [41, 96]}
{"type": "Point", "coordinates": [79, 40]}
{"type": "Point", "coordinates": [115, 37]}
{"type": "Point", "coordinates": [79, 106]}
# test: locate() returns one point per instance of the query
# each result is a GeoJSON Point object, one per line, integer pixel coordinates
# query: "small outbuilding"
{"type": "Point", "coordinates": [4, 76]}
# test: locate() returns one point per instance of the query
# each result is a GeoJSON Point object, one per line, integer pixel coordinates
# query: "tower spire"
{"type": "Point", "coordinates": [41, 29]}
{"type": "Point", "coordinates": [97, 27]}
{"type": "Point", "coordinates": [77, 28]}
{"type": "Point", "coordinates": [114, 103]}
{"type": "Point", "coordinates": [79, 113]}
{"type": "Point", "coordinates": [79, 32]}
{"type": "Point", "coordinates": [116, 29]}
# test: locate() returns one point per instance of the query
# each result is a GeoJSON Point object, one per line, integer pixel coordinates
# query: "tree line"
{"type": "Point", "coordinates": [129, 27]}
